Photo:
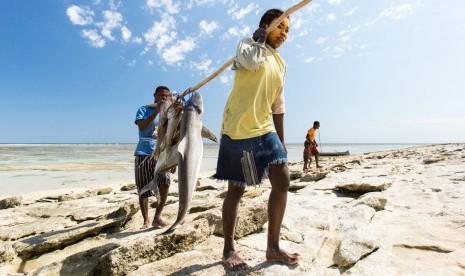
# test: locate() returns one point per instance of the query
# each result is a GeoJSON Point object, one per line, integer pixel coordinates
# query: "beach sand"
{"type": "Point", "coordinates": [397, 212]}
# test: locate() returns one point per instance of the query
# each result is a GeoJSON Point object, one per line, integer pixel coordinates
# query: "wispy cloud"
{"type": "Point", "coordinates": [161, 33]}
{"type": "Point", "coordinates": [239, 13]}
{"type": "Point", "coordinates": [351, 12]}
{"type": "Point", "coordinates": [320, 40]}
{"type": "Point", "coordinates": [335, 2]}
{"type": "Point", "coordinates": [208, 27]}
{"type": "Point", "coordinates": [113, 20]}
{"type": "Point", "coordinates": [80, 15]}
{"type": "Point", "coordinates": [398, 12]}
{"type": "Point", "coordinates": [177, 52]}
{"type": "Point", "coordinates": [126, 34]}
{"type": "Point", "coordinates": [234, 32]}
{"type": "Point", "coordinates": [94, 38]}
{"type": "Point", "coordinates": [204, 66]}
{"type": "Point", "coordinates": [168, 5]}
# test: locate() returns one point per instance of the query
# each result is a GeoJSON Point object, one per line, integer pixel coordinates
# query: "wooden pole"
{"type": "Point", "coordinates": [273, 25]}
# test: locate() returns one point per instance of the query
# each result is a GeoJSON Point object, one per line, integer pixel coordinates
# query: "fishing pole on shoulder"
{"type": "Point", "coordinates": [272, 26]}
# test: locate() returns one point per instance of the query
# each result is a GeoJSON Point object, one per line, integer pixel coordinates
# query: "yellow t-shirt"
{"type": "Point", "coordinates": [257, 92]}
{"type": "Point", "coordinates": [312, 134]}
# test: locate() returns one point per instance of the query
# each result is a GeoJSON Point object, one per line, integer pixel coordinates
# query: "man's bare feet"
{"type": "Point", "coordinates": [146, 224]}
{"type": "Point", "coordinates": [158, 222]}
{"type": "Point", "coordinates": [283, 257]}
{"type": "Point", "coordinates": [232, 260]}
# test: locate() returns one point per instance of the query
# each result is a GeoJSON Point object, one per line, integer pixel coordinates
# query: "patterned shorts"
{"type": "Point", "coordinates": [144, 168]}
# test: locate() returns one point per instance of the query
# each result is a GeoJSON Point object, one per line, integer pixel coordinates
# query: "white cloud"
{"type": "Point", "coordinates": [330, 18]}
{"type": "Point", "coordinates": [309, 59]}
{"type": "Point", "coordinates": [224, 79]}
{"type": "Point", "coordinates": [351, 12]}
{"type": "Point", "coordinates": [239, 14]}
{"type": "Point", "coordinates": [94, 38]}
{"type": "Point", "coordinates": [192, 3]}
{"type": "Point", "coordinates": [113, 20]}
{"type": "Point", "coordinates": [321, 40]}
{"type": "Point", "coordinates": [334, 2]}
{"type": "Point", "coordinates": [346, 34]}
{"type": "Point", "coordinates": [170, 6]}
{"type": "Point", "coordinates": [126, 34]}
{"type": "Point", "coordinates": [80, 16]}
{"type": "Point", "coordinates": [237, 32]}
{"type": "Point", "coordinates": [162, 32]}
{"type": "Point", "coordinates": [137, 40]}
{"type": "Point", "coordinates": [177, 52]}
{"type": "Point", "coordinates": [208, 27]}
{"type": "Point", "coordinates": [202, 66]}
{"type": "Point", "coordinates": [398, 12]}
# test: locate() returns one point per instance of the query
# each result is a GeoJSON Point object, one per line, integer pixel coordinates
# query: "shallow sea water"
{"type": "Point", "coordinates": [25, 168]}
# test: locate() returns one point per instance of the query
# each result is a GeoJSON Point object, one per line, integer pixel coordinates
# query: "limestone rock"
{"type": "Point", "coordinates": [377, 202]}
{"type": "Point", "coordinates": [313, 176]}
{"type": "Point", "coordinates": [251, 219]}
{"type": "Point", "coordinates": [295, 174]}
{"type": "Point", "coordinates": [128, 187]}
{"type": "Point", "coordinates": [366, 185]}
{"type": "Point", "coordinates": [10, 202]}
{"type": "Point", "coordinates": [7, 252]}
{"type": "Point", "coordinates": [350, 251]}
{"type": "Point", "coordinates": [150, 248]}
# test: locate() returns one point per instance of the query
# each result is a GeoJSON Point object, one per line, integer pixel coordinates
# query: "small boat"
{"type": "Point", "coordinates": [334, 153]}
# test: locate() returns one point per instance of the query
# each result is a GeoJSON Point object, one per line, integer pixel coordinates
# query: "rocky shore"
{"type": "Point", "coordinates": [399, 212]}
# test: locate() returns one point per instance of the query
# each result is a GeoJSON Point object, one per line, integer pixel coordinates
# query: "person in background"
{"type": "Point", "coordinates": [146, 121]}
{"type": "Point", "coordinates": [311, 146]}
{"type": "Point", "coordinates": [253, 121]}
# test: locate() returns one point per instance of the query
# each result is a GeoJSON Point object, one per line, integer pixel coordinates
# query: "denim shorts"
{"type": "Point", "coordinates": [266, 149]}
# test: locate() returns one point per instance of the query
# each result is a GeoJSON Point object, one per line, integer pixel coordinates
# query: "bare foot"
{"type": "Point", "coordinates": [146, 225]}
{"type": "Point", "coordinates": [158, 222]}
{"type": "Point", "coordinates": [283, 257]}
{"type": "Point", "coordinates": [232, 260]}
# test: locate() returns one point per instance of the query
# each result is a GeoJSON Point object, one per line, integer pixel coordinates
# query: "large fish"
{"type": "Point", "coordinates": [190, 151]}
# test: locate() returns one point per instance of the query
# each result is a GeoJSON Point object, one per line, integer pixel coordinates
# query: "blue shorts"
{"type": "Point", "coordinates": [266, 149]}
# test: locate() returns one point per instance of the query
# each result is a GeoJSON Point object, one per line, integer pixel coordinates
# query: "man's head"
{"type": "Point", "coordinates": [162, 93]}
{"type": "Point", "coordinates": [278, 35]}
{"type": "Point", "coordinates": [316, 125]}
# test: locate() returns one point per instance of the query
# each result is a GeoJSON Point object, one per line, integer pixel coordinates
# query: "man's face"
{"type": "Point", "coordinates": [279, 35]}
{"type": "Point", "coordinates": [162, 95]}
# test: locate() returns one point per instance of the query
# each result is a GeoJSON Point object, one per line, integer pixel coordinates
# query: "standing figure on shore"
{"type": "Point", "coordinates": [146, 121]}
{"type": "Point", "coordinates": [253, 121]}
{"type": "Point", "coordinates": [311, 146]}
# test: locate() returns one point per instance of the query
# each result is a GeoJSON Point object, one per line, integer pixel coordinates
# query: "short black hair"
{"type": "Point", "coordinates": [160, 88]}
{"type": "Point", "coordinates": [316, 123]}
{"type": "Point", "coordinates": [269, 16]}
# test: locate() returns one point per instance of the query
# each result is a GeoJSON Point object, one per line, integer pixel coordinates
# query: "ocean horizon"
{"type": "Point", "coordinates": [29, 167]}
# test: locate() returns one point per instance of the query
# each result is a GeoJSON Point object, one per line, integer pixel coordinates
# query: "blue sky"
{"type": "Point", "coordinates": [370, 71]}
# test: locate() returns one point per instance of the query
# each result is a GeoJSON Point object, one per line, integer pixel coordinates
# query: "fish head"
{"type": "Point", "coordinates": [196, 102]}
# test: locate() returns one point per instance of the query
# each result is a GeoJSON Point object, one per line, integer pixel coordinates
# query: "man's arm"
{"type": "Point", "coordinates": [145, 123]}
{"type": "Point", "coordinates": [278, 120]}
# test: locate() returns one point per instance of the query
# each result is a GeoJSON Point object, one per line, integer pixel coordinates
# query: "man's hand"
{"type": "Point", "coordinates": [260, 34]}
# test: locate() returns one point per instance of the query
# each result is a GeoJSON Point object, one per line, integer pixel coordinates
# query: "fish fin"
{"type": "Point", "coordinates": [182, 147]}
{"type": "Point", "coordinates": [206, 133]}
{"type": "Point", "coordinates": [151, 186]}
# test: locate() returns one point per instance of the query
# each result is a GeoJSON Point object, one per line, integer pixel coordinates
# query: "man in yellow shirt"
{"type": "Point", "coordinates": [311, 146]}
{"type": "Point", "coordinates": [253, 131]}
